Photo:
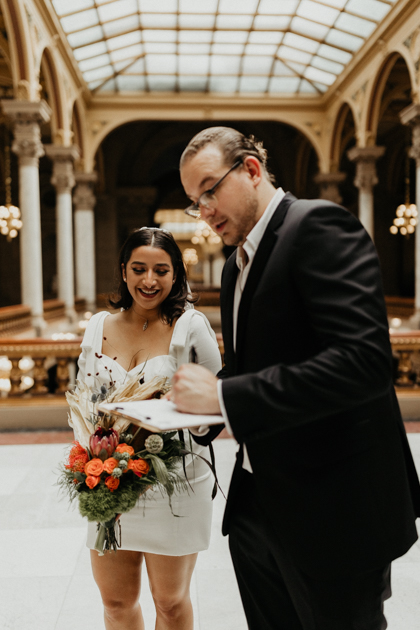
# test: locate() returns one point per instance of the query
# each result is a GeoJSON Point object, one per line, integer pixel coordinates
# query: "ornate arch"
{"type": "Point", "coordinates": [100, 130]}
{"type": "Point", "coordinates": [78, 128]}
{"type": "Point", "coordinates": [377, 91]}
{"type": "Point", "coordinates": [20, 48]}
{"type": "Point", "coordinates": [337, 135]}
{"type": "Point", "coordinates": [53, 84]}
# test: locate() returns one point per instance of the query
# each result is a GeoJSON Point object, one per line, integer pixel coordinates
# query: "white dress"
{"type": "Point", "coordinates": [150, 526]}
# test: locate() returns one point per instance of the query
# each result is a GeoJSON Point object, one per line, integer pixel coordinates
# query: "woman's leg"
{"type": "Point", "coordinates": [170, 578]}
{"type": "Point", "coordinates": [118, 577]}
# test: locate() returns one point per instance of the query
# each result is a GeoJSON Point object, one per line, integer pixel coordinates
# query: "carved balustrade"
{"type": "Point", "coordinates": [46, 352]}
{"type": "Point", "coordinates": [43, 352]}
{"type": "Point", "coordinates": [17, 319]}
{"type": "Point", "coordinates": [406, 345]}
{"type": "Point", "coordinates": [14, 319]}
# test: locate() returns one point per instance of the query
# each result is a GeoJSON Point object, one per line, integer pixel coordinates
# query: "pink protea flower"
{"type": "Point", "coordinates": [103, 439]}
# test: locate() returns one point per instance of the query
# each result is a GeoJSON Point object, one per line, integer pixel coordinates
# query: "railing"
{"type": "Point", "coordinates": [30, 360]}
{"type": "Point", "coordinates": [16, 319]}
{"type": "Point", "coordinates": [406, 345]}
{"type": "Point", "coordinates": [399, 306]}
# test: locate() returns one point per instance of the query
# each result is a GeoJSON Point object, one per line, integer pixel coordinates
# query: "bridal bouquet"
{"type": "Point", "coordinates": [110, 465]}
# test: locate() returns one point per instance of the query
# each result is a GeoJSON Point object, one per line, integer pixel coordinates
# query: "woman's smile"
{"type": "Point", "coordinates": [149, 274]}
{"type": "Point", "coordinates": [149, 293]}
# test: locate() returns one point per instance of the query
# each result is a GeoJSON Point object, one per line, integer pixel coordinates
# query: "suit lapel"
{"type": "Point", "coordinates": [260, 260]}
{"type": "Point", "coordinates": [226, 304]}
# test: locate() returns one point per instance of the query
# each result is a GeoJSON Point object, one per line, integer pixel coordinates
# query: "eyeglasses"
{"type": "Point", "coordinates": [207, 199]}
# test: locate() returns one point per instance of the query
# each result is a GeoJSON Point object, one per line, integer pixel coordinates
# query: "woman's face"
{"type": "Point", "coordinates": [149, 275]}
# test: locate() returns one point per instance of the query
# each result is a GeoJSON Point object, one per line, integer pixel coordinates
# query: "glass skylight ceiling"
{"type": "Point", "coordinates": [242, 47]}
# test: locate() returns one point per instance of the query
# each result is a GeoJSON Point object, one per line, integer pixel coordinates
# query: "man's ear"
{"type": "Point", "coordinates": [253, 167]}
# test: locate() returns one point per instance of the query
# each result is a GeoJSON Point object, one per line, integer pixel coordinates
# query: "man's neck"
{"type": "Point", "coordinates": [267, 192]}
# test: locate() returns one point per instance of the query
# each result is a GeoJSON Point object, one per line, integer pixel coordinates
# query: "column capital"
{"type": "Point", "coordinates": [83, 197]}
{"type": "Point", "coordinates": [63, 172]}
{"type": "Point", "coordinates": [365, 158]}
{"type": "Point", "coordinates": [365, 154]}
{"type": "Point", "coordinates": [26, 111]}
{"type": "Point", "coordinates": [328, 183]}
{"type": "Point", "coordinates": [26, 117]}
{"type": "Point", "coordinates": [411, 116]}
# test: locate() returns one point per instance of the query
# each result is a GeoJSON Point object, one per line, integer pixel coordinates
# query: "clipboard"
{"type": "Point", "coordinates": [158, 415]}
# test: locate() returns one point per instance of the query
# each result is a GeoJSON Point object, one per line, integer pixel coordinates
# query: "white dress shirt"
{"type": "Point", "coordinates": [244, 259]}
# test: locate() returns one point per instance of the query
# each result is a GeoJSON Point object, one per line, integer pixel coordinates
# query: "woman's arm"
{"type": "Point", "coordinates": [207, 354]}
{"type": "Point", "coordinates": [204, 346]}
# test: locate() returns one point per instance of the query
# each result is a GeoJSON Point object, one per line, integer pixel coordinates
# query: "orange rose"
{"type": "Point", "coordinates": [139, 466]}
{"type": "Point", "coordinates": [94, 467]}
{"type": "Point", "coordinates": [78, 457]}
{"type": "Point", "coordinates": [110, 464]}
{"type": "Point", "coordinates": [112, 483]}
{"type": "Point", "coordinates": [92, 481]}
{"type": "Point", "coordinates": [125, 448]}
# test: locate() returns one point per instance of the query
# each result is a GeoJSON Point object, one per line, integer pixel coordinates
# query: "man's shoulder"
{"type": "Point", "coordinates": [308, 205]}
{"type": "Point", "coordinates": [301, 209]}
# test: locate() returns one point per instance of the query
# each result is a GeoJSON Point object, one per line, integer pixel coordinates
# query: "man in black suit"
{"type": "Point", "coordinates": [324, 494]}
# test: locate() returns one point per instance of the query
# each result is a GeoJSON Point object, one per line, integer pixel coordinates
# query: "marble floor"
{"type": "Point", "coordinates": [45, 575]}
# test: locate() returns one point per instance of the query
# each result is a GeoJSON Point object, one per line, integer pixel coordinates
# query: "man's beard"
{"type": "Point", "coordinates": [245, 223]}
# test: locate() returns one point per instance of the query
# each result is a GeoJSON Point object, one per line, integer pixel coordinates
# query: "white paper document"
{"type": "Point", "coordinates": [158, 415]}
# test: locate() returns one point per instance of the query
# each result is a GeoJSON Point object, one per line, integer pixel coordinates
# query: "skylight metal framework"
{"type": "Point", "coordinates": [237, 47]}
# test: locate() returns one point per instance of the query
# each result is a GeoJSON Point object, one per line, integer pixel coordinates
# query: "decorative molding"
{"type": "Point", "coordinates": [365, 158]}
{"type": "Point", "coordinates": [63, 172]}
{"type": "Point", "coordinates": [83, 196]}
{"type": "Point", "coordinates": [411, 116]}
{"type": "Point", "coordinates": [97, 126]}
{"type": "Point", "coordinates": [358, 98]}
{"type": "Point", "coordinates": [328, 183]}
{"type": "Point", "coordinates": [315, 127]}
{"type": "Point", "coordinates": [26, 118]}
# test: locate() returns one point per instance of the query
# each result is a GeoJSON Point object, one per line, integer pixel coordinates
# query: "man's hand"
{"type": "Point", "coordinates": [194, 390]}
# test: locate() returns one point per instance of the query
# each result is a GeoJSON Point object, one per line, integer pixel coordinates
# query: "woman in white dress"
{"type": "Point", "coordinates": [158, 327]}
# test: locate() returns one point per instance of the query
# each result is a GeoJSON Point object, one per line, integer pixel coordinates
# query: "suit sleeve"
{"type": "Point", "coordinates": [336, 273]}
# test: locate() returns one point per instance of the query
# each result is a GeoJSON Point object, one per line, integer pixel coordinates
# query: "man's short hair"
{"type": "Point", "coordinates": [232, 144]}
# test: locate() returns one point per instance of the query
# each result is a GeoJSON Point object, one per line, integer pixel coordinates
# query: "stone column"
{"type": "Point", "coordinates": [411, 116]}
{"type": "Point", "coordinates": [328, 185]}
{"type": "Point", "coordinates": [84, 225]}
{"type": "Point", "coordinates": [366, 179]}
{"type": "Point", "coordinates": [63, 180]}
{"type": "Point", "coordinates": [26, 118]}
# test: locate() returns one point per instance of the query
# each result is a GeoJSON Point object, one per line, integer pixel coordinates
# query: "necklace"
{"type": "Point", "coordinates": [146, 322]}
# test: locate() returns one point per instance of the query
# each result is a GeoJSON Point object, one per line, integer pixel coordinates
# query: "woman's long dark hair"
{"type": "Point", "coordinates": [174, 305]}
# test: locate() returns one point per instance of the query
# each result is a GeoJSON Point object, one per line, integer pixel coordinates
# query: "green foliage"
{"type": "Point", "coordinates": [100, 504]}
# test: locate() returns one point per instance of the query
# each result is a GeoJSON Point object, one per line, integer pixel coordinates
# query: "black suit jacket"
{"type": "Point", "coordinates": [309, 392]}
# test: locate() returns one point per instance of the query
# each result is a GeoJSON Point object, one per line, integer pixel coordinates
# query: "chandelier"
{"type": "Point", "coordinates": [189, 256]}
{"type": "Point", "coordinates": [406, 214]}
{"type": "Point", "coordinates": [10, 222]}
{"type": "Point", "coordinates": [208, 239]}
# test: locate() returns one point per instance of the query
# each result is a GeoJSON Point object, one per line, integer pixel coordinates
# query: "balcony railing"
{"type": "Point", "coordinates": [26, 365]}
{"type": "Point", "coordinates": [406, 346]}
{"type": "Point", "coordinates": [17, 319]}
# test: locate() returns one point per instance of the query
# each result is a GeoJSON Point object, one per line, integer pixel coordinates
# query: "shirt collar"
{"type": "Point", "coordinates": [253, 239]}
